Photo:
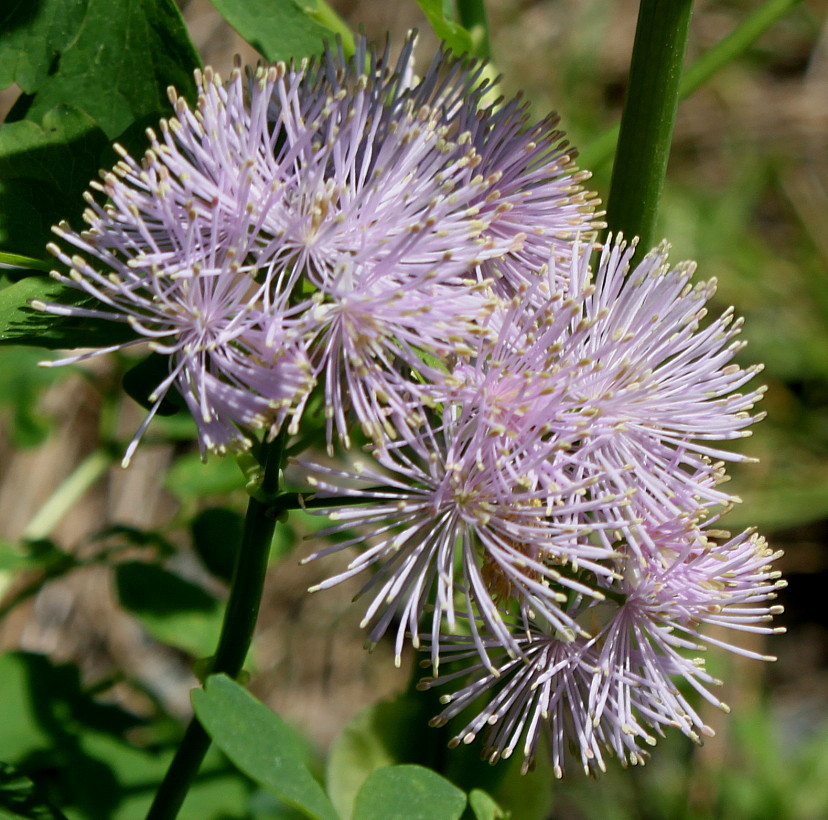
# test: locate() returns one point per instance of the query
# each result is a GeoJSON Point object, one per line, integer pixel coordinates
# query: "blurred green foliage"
{"type": "Point", "coordinates": [747, 202]}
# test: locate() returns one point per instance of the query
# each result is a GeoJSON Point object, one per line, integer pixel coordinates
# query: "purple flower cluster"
{"type": "Point", "coordinates": [545, 528]}
{"type": "Point", "coordinates": [332, 223]}
{"type": "Point", "coordinates": [545, 437]}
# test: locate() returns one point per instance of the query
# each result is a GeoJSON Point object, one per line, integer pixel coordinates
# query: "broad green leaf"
{"type": "Point", "coordinates": [217, 533]}
{"type": "Point", "coordinates": [217, 792]}
{"type": "Point", "coordinates": [21, 324]}
{"type": "Point", "coordinates": [267, 806]}
{"type": "Point", "coordinates": [484, 807]}
{"type": "Point", "coordinates": [408, 793]}
{"type": "Point", "coordinates": [380, 735]}
{"type": "Point", "coordinates": [174, 611]}
{"type": "Point", "coordinates": [190, 477]}
{"type": "Point", "coordinates": [21, 383]}
{"type": "Point", "coordinates": [279, 30]}
{"type": "Point", "coordinates": [119, 63]}
{"type": "Point", "coordinates": [19, 798]}
{"type": "Point", "coordinates": [322, 12]}
{"type": "Point", "coordinates": [46, 718]}
{"type": "Point", "coordinates": [44, 170]}
{"type": "Point", "coordinates": [34, 34]}
{"type": "Point", "coordinates": [27, 723]}
{"type": "Point", "coordinates": [52, 151]}
{"type": "Point", "coordinates": [260, 744]}
{"type": "Point", "coordinates": [457, 38]}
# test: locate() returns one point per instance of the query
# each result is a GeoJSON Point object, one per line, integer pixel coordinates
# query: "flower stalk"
{"type": "Point", "coordinates": [648, 119]}
{"type": "Point", "coordinates": [237, 629]}
{"type": "Point", "coordinates": [698, 73]}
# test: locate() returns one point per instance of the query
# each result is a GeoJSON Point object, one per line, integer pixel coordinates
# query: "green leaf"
{"type": "Point", "coordinates": [379, 736]}
{"type": "Point", "coordinates": [21, 324]}
{"type": "Point", "coordinates": [321, 12]}
{"type": "Point", "coordinates": [278, 31]}
{"type": "Point", "coordinates": [19, 798]}
{"type": "Point", "coordinates": [408, 793]}
{"type": "Point", "coordinates": [190, 477]}
{"type": "Point", "coordinates": [21, 383]}
{"type": "Point", "coordinates": [218, 791]}
{"type": "Point", "coordinates": [484, 807]}
{"type": "Point", "coordinates": [260, 744]}
{"type": "Point", "coordinates": [119, 63]}
{"type": "Point", "coordinates": [52, 152]}
{"type": "Point", "coordinates": [46, 718]}
{"type": "Point", "coordinates": [457, 38]}
{"type": "Point", "coordinates": [217, 534]}
{"type": "Point", "coordinates": [34, 36]}
{"type": "Point", "coordinates": [20, 265]}
{"type": "Point", "coordinates": [44, 170]}
{"type": "Point", "coordinates": [174, 611]}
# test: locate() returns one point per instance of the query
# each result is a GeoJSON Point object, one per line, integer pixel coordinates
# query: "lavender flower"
{"type": "Point", "coordinates": [337, 222]}
{"type": "Point", "coordinates": [618, 372]}
{"type": "Point", "coordinates": [615, 690]}
{"type": "Point", "coordinates": [556, 504]}
{"type": "Point", "coordinates": [459, 525]}
{"type": "Point", "coordinates": [533, 189]}
{"type": "Point", "coordinates": [203, 309]}
{"type": "Point", "coordinates": [657, 388]}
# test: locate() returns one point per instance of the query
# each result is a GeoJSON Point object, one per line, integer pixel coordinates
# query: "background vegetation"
{"type": "Point", "coordinates": [112, 580]}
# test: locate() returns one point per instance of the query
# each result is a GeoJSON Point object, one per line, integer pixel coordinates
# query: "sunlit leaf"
{"type": "Point", "coordinates": [189, 477]}
{"type": "Point", "coordinates": [408, 793]}
{"type": "Point", "coordinates": [261, 745]}
{"type": "Point", "coordinates": [119, 63]}
{"type": "Point", "coordinates": [34, 36]}
{"type": "Point", "coordinates": [380, 735]}
{"type": "Point", "coordinates": [20, 323]}
{"type": "Point", "coordinates": [457, 38]}
{"type": "Point", "coordinates": [173, 610]}
{"type": "Point", "coordinates": [44, 170]}
{"type": "Point", "coordinates": [278, 31]}
{"type": "Point", "coordinates": [484, 807]}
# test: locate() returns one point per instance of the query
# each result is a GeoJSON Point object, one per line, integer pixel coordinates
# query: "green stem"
{"type": "Point", "coordinates": [236, 632]}
{"type": "Point", "coordinates": [16, 260]}
{"type": "Point", "coordinates": [327, 17]}
{"type": "Point", "coordinates": [472, 16]}
{"type": "Point", "coordinates": [648, 118]}
{"type": "Point", "coordinates": [711, 62]}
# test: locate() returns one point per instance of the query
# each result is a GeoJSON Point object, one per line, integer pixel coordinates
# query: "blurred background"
{"type": "Point", "coordinates": [747, 197]}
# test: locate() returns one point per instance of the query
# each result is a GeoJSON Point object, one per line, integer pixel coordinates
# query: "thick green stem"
{"type": "Point", "coordinates": [712, 61]}
{"type": "Point", "coordinates": [472, 16]}
{"type": "Point", "coordinates": [237, 629]}
{"type": "Point", "coordinates": [648, 118]}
